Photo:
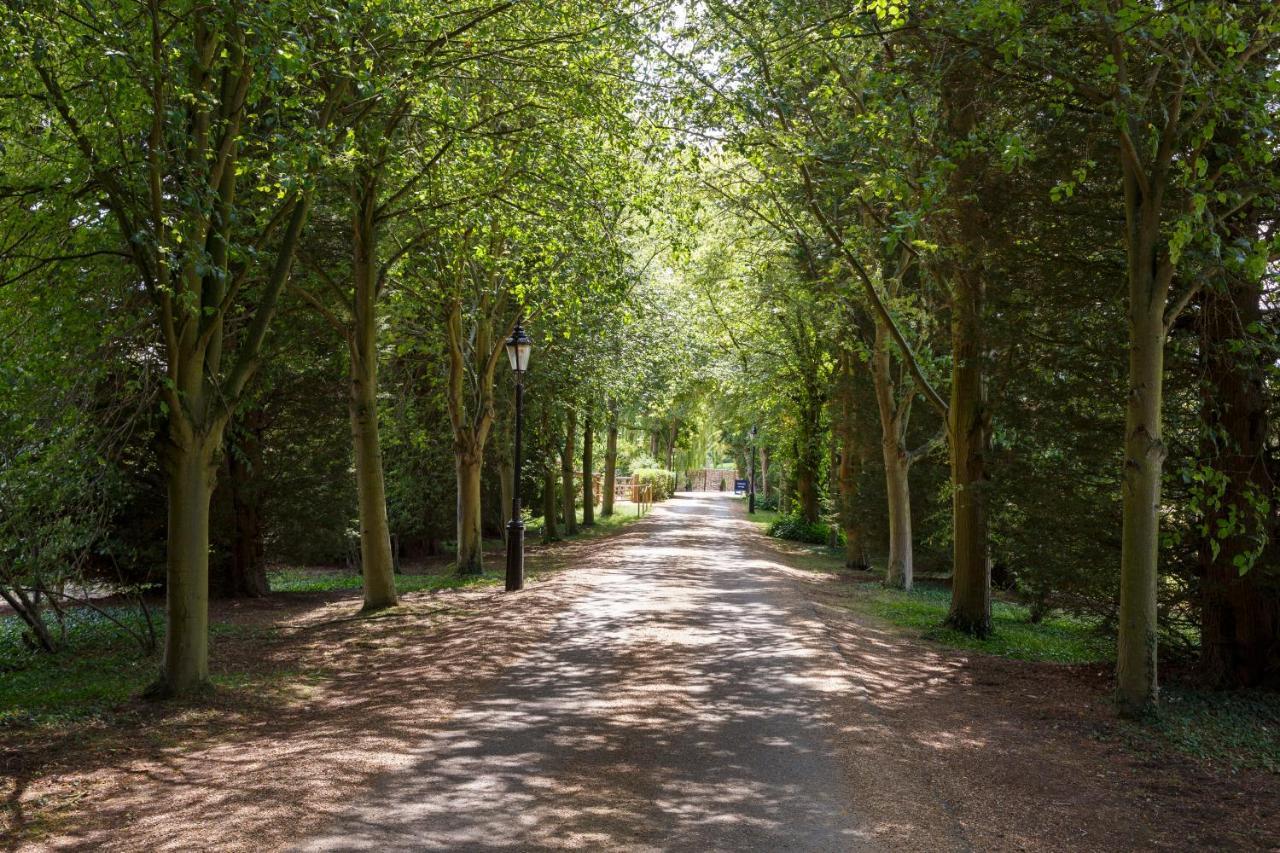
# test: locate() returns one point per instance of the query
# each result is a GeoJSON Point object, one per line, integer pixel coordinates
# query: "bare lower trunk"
{"type": "Point", "coordinates": [470, 553]}
{"type": "Point", "coordinates": [549, 527]}
{"type": "Point", "coordinates": [785, 490]}
{"type": "Point", "coordinates": [894, 416]}
{"type": "Point", "coordinates": [1240, 592]}
{"type": "Point", "coordinates": [190, 485]}
{"type": "Point", "coordinates": [967, 415]}
{"type": "Point", "coordinates": [967, 440]}
{"type": "Point", "coordinates": [610, 466]}
{"type": "Point", "coordinates": [377, 566]}
{"type": "Point", "coordinates": [900, 569]}
{"type": "Point", "coordinates": [807, 493]}
{"type": "Point", "coordinates": [1143, 460]}
{"type": "Point", "coordinates": [764, 472]}
{"type": "Point", "coordinates": [834, 464]}
{"type": "Point", "coordinates": [808, 453]}
{"type": "Point", "coordinates": [29, 609]}
{"type": "Point", "coordinates": [569, 492]}
{"type": "Point", "coordinates": [588, 496]}
{"type": "Point", "coordinates": [849, 464]}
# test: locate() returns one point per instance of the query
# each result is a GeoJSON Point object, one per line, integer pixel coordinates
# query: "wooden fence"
{"type": "Point", "coordinates": [640, 494]}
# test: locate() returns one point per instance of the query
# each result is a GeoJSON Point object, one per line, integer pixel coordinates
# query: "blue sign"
{"type": "Point", "coordinates": [740, 487]}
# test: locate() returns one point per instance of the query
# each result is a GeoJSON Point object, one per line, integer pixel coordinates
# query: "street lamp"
{"type": "Point", "coordinates": [751, 490]}
{"type": "Point", "coordinates": [518, 347]}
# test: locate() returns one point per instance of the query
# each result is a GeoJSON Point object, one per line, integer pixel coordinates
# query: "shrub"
{"type": "Point", "coordinates": [663, 482]}
{"type": "Point", "coordinates": [795, 528]}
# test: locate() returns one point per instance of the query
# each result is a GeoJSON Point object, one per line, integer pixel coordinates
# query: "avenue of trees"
{"type": "Point", "coordinates": [229, 227]}
{"type": "Point", "coordinates": [993, 280]}
{"type": "Point", "coordinates": [1005, 273]}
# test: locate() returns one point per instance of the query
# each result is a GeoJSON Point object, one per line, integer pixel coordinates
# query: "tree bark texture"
{"type": "Point", "coordinates": [568, 487]}
{"type": "Point", "coordinates": [377, 566]}
{"type": "Point", "coordinates": [610, 464]}
{"type": "Point", "coordinates": [967, 415]}
{"type": "Point", "coordinates": [588, 496]}
{"type": "Point", "coordinates": [470, 544]}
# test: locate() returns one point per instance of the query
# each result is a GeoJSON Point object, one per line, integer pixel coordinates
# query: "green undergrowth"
{"type": "Point", "coordinates": [763, 518]}
{"type": "Point", "coordinates": [1236, 729]}
{"type": "Point", "coordinates": [788, 526]}
{"type": "Point", "coordinates": [313, 580]}
{"type": "Point", "coordinates": [97, 668]}
{"type": "Point", "coordinates": [624, 513]}
{"type": "Point", "coordinates": [1057, 638]}
{"type": "Point", "coordinates": [796, 529]}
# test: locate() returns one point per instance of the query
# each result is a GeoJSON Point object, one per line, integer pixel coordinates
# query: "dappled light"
{"type": "Point", "coordinates": [683, 677]}
{"type": "Point", "coordinates": [731, 425]}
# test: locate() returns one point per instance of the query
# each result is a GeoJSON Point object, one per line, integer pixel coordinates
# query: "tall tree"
{"type": "Point", "coordinates": [222, 93]}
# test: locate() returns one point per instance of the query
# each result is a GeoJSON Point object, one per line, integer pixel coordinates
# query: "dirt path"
{"type": "Point", "coordinates": [680, 687]}
{"type": "Point", "coordinates": [679, 703]}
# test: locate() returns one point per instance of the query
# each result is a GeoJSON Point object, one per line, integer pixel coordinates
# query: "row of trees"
{"type": "Point", "coordinates": [211, 212]}
{"type": "Point", "coordinates": [992, 278]}
{"type": "Point", "coordinates": [1052, 226]}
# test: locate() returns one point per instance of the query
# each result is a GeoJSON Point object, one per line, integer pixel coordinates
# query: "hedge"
{"type": "Point", "coordinates": [663, 482]}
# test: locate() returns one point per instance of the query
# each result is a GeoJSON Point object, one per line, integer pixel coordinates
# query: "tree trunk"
{"type": "Point", "coordinates": [764, 471]}
{"type": "Point", "coordinates": [807, 490]}
{"type": "Point", "coordinates": [835, 462]}
{"type": "Point", "coordinates": [894, 417]}
{"type": "Point", "coordinates": [808, 453]}
{"type": "Point", "coordinates": [588, 496]}
{"type": "Point", "coordinates": [968, 436]}
{"type": "Point", "coordinates": [967, 415]}
{"type": "Point", "coordinates": [470, 544]}
{"type": "Point", "coordinates": [851, 426]}
{"type": "Point", "coordinates": [376, 564]}
{"type": "Point", "coordinates": [190, 473]}
{"type": "Point", "coordinates": [901, 564]}
{"type": "Point", "coordinates": [786, 490]}
{"type": "Point", "coordinates": [850, 470]}
{"type": "Point", "coordinates": [1144, 454]}
{"type": "Point", "coordinates": [549, 531]}
{"type": "Point", "coordinates": [569, 490]}
{"type": "Point", "coordinates": [610, 464]}
{"type": "Point", "coordinates": [1240, 612]}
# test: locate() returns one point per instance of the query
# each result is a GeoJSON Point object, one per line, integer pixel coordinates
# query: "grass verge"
{"type": "Point", "coordinates": [319, 580]}
{"type": "Point", "coordinates": [96, 669]}
{"type": "Point", "coordinates": [1237, 730]}
{"type": "Point", "coordinates": [1057, 639]}
{"type": "Point", "coordinates": [624, 513]}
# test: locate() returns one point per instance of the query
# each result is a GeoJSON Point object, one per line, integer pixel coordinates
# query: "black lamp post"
{"type": "Point", "coordinates": [751, 489]}
{"type": "Point", "coordinates": [518, 346]}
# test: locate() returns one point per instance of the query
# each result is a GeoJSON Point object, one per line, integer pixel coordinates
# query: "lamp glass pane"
{"type": "Point", "coordinates": [521, 356]}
